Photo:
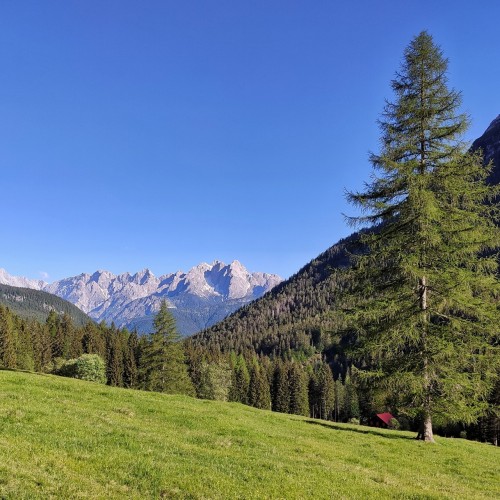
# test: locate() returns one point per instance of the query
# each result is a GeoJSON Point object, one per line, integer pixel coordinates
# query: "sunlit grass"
{"type": "Point", "coordinates": [67, 438]}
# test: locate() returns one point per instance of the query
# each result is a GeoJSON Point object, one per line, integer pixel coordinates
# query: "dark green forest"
{"type": "Point", "coordinates": [36, 304]}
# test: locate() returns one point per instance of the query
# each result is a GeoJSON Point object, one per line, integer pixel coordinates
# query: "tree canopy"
{"type": "Point", "coordinates": [425, 277]}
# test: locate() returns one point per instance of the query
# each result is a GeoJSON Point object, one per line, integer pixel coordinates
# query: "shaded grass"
{"type": "Point", "coordinates": [67, 438]}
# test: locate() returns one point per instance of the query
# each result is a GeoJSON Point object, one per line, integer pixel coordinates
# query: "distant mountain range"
{"type": "Point", "coordinates": [199, 298]}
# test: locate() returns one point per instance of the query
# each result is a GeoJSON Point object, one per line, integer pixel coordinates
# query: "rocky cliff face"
{"type": "Point", "coordinates": [7, 279]}
{"type": "Point", "coordinates": [198, 298]}
{"type": "Point", "coordinates": [489, 142]}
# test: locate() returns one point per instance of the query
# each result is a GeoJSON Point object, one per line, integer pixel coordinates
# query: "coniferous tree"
{"type": "Point", "coordinates": [42, 345]}
{"type": "Point", "coordinates": [53, 325]}
{"type": "Point", "coordinates": [339, 401]}
{"type": "Point", "coordinates": [8, 339]}
{"type": "Point", "coordinates": [130, 374]}
{"type": "Point", "coordinates": [281, 388]}
{"type": "Point", "coordinates": [259, 394]}
{"type": "Point", "coordinates": [24, 346]}
{"type": "Point", "coordinates": [240, 381]}
{"type": "Point", "coordinates": [65, 335]}
{"type": "Point", "coordinates": [322, 392]}
{"type": "Point", "coordinates": [114, 356]}
{"type": "Point", "coordinates": [93, 340]}
{"type": "Point", "coordinates": [350, 407]}
{"type": "Point", "coordinates": [299, 390]}
{"type": "Point", "coordinates": [426, 312]}
{"type": "Point", "coordinates": [163, 363]}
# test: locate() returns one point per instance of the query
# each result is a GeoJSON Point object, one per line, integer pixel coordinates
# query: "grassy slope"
{"type": "Point", "coordinates": [68, 438]}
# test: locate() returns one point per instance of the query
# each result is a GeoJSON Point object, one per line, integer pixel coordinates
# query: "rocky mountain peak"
{"type": "Point", "coordinates": [489, 143]}
{"type": "Point", "coordinates": [495, 123]}
{"type": "Point", "coordinates": [8, 279]}
{"type": "Point", "coordinates": [142, 276]}
{"type": "Point", "coordinates": [217, 288]}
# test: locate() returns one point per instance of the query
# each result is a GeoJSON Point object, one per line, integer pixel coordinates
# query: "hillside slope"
{"type": "Point", "coordinates": [35, 304]}
{"type": "Point", "coordinates": [79, 439]}
{"type": "Point", "coordinates": [293, 315]}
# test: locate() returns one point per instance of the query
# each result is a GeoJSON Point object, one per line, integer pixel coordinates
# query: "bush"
{"type": "Point", "coordinates": [89, 367]}
{"type": "Point", "coordinates": [404, 424]}
{"type": "Point", "coordinates": [354, 421]}
{"type": "Point", "coordinates": [394, 424]}
{"type": "Point", "coordinates": [65, 367]}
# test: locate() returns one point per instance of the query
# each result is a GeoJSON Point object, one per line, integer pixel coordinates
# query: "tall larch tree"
{"type": "Point", "coordinates": [163, 363]}
{"type": "Point", "coordinates": [427, 288]}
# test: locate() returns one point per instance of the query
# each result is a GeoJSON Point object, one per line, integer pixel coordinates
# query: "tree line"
{"type": "Point", "coordinates": [162, 362]}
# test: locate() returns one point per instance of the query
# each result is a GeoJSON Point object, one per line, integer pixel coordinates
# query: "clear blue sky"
{"type": "Point", "coordinates": [164, 133]}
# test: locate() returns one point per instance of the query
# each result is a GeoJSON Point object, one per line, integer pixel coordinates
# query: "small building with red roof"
{"type": "Point", "coordinates": [383, 420]}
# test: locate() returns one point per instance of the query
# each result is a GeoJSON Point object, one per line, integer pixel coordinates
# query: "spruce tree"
{"type": "Point", "coordinates": [114, 356]}
{"type": "Point", "coordinates": [339, 402]}
{"type": "Point", "coordinates": [163, 364]}
{"type": "Point", "coordinates": [426, 291]}
{"type": "Point", "coordinates": [299, 394]}
{"type": "Point", "coordinates": [281, 389]}
{"type": "Point", "coordinates": [322, 392]}
{"type": "Point", "coordinates": [130, 374]}
{"type": "Point", "coordinates": [259, 394]}
{"type": "Point", "coordinates": [8, 339]}
{"type": "Point", "coordinates": [240, 381]}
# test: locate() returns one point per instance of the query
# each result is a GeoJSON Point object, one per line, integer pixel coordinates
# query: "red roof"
{"type": "Point", "coordinates": [385, 417]}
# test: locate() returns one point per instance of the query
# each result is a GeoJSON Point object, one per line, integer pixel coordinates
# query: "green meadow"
{"type": "Point", "coordinates": [65, 438]}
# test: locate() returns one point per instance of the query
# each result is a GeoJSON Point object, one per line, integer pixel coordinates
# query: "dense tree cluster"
{"type": "Point", "coordinates": [35, 304]}
{"type": "Point", "coordinates": [28, 344]}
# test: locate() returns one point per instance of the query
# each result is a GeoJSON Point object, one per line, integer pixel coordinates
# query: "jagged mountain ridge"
{"type": "Point", "coordinates": [198, 298]}
{"type": "Point", "coordinates": [299, 311]}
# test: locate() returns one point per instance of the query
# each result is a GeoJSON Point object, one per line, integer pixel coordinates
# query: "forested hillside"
{"type": "Point", "coordinates": [294, 316]}
{"type": "Point", "coordinates": [36, 304]}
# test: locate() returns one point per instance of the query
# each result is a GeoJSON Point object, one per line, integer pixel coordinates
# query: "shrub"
{"type": "Point", "coordinates": [404, 424]}
{"type": "Point", "coordinates": [354, 421]}
{"type": "Point", "coordinates": [394, 424]}
{"type": "Point", "coordinates": [65, 367]}
{"type": "Point", "coordinates": [89, 367]}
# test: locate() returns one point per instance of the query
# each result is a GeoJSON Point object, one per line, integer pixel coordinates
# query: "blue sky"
{"type": "Point", "coordinates": [162, 134]}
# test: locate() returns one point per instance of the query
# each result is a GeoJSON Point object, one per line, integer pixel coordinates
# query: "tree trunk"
{"type": "Point", "coordinates": [425, 431]}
